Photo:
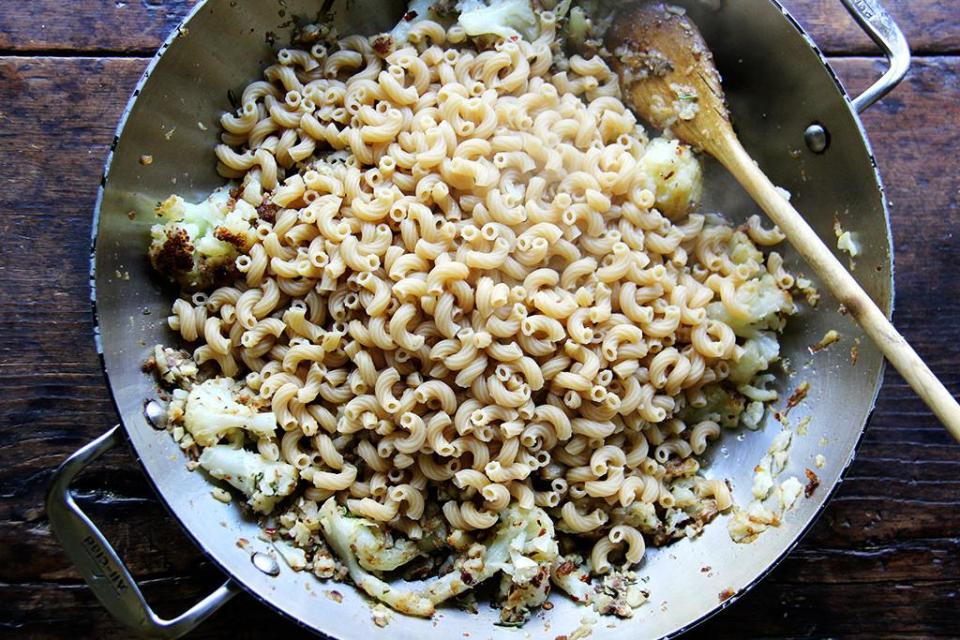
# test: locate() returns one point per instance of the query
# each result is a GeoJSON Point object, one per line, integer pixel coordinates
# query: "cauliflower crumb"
{"type": "Point", "coordinates": [687, 104]}
{"type": "Point", "coordinates": [174, 367]}
{"type": "Point", "coordinates": [619, 594]}
{"type": "Point", "coordinates": [295, 557]}
{"type": "Point", "coordinates": [846, 243]}
{"type": "Point", "coordinates": [334, 595]}
{"type": "Point", "coordinates": [809, 291]}
{"type": "Point", "coordinates": [677, 176]}
{"type": "Point", "coordinates": [799, 395]}
{"type": "Point", "coordinates": [221, 494]}
{"type": "Point", "coordinates": [381, 615]}
{"type": "Point", "coordinates": [788, 493]}
{"type": "Point", "coordinates": [762, 479]}
{"type": "Point", "coordinates": [570, 575]}
{"type": "Point", "coordinates": [752, 416]}
{"type": "Point", "coordinates": [325, 566]}
{"type": "Point", "coordinates": [828, 339]}
{"type": "Point", "coordinates": [781, 442]}
{"type": "Point", "coordinates": [746, 524]}
{"type": "Point", "coordinates": [585, 629]}
{"type": "Point", "coordinates": [819, 461]}
{"type": "Point", "coordinates": [341, 532]}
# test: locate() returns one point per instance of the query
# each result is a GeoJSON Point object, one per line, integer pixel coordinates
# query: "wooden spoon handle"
{"type": "Point", "coordinates": [843, 285]}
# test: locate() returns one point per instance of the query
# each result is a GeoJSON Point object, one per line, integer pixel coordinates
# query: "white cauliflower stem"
{"type": "Point", "coordinates": [374, 549]}
{"type": "Point", "coordinates": [523, 548]}
{"type": "Point", "coordinates": [212, 410]}
{"type": "Point", "coordinates": [341, 532]}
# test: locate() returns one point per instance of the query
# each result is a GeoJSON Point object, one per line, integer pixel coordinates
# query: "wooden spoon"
{"type": "Point", "coordinates": [668, 75]}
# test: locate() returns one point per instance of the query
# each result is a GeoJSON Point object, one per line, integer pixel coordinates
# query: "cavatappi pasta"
{"type": "Point", "coordinates": [457, 318]}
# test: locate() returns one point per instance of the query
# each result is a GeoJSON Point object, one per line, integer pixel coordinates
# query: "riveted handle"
{"type": "Point", "coordinates": [98, 562]}
{"type": "Point", "coordinates": [883, 29]}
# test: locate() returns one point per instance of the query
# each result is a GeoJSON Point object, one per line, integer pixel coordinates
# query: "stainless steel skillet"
{"type": "Point", "coordinates": [793, 117]}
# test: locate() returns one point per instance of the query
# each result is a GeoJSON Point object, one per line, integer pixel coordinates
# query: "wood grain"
{"type": "Point", "coordinates": [883, 561]}
{"type": "Point", "coordinates": [139, 26]}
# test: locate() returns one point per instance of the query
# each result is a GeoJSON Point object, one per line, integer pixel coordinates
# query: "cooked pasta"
{"type": "Point", "coordinates": [460, 299]}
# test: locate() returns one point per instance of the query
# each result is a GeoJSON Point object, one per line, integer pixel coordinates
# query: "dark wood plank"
{"type": "Point", "coordinates": [930, 25]}
{"type": "Point", "coordinates": [883, 561]}
{"type": "Point", "coordinates": [93, 26]}
{"type": "Point", "coordinates": [136, 27]}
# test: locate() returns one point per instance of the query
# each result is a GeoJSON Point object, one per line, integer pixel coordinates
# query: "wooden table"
{"type": "Point", "coordinates": [883, 561]}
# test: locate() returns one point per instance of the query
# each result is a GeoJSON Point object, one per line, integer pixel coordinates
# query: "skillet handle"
{"type": "Point", "coordinates": [882, 28]}
{"type": "Point", "coordinates": [98, 562]}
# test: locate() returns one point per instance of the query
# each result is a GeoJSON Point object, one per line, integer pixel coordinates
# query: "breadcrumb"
{"type": "Point", "coordinates": [828, 339]}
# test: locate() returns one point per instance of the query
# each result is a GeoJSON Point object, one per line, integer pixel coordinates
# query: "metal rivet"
{"type": "Point", "coordinates": [265, 563]}
{"type": "Point", "coordinates": [817, 138]}
{"type": "Point", "coordinates": [155, 414]}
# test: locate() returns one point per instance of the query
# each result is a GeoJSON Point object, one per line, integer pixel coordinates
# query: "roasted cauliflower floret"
{"type": "Point", "coordinates": [504, 18]}
{"type": "Point", "coordinates": [525, 583]}
{"type": "Point", "coordinates": [723, 406]}
{"type": "Point", "coordinates": [768, 307]}
{"type": "Point", "coordinates": [197, 244]}
{"type": "Point", "coordinates": [642, 516]}
{"type": "Point", "coordinates": [417, 11]}
{"type": "Point", "coordinates": [758, 354]}
{"type": "Point", "coordinates": [518, 599]}
{"type": "Point", "coordinates": [263, 481]}
{"type": "Point", "coordinates": [524, 548]}
{"type": "Point", "coordinates": [676, 175]}
{"type": "Point", "coordinates": [212, 410]}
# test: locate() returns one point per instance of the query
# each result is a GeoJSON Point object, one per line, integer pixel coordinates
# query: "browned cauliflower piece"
{"type": "Point", "coordinates": [197, 244]}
